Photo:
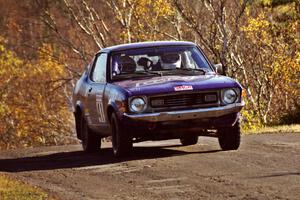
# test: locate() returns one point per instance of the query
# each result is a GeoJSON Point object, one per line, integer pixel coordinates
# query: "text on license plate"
{"type": "Point", "coordinates": [183, 87]}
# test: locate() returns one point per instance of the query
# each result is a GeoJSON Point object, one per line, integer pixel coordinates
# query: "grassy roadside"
{"type": "Point", "coordinates": [15, 190]}
{"type": "Point", "coordinates": [294, 128]}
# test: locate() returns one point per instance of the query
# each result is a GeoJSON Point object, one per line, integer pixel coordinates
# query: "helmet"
{"type": "Point", "coordinates": [170, 61]}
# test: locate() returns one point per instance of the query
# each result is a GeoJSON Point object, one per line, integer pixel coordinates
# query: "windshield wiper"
{"type": "Point", "coordinates": [154, 73]}
{"type": "Point", "coordinates": [135, 75]}
{"type": "Point", "coordinates": [193, 69]}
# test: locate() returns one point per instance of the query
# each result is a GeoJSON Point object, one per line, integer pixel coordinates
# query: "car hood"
{"type": "Point", "coordinates": [167, 84]}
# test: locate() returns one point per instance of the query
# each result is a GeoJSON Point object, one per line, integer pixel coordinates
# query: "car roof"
{"type": "Point", "coordinates": [137, 45]}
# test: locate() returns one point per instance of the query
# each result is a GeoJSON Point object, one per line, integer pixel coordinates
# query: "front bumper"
{"type": "Point", "coordinates": [199, 113]}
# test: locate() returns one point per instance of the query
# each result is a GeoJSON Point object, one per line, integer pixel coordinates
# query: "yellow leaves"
{"type": "Point", "coordinates": [41, 139]}
{"type": "Point", "coordinates": [279, 63]}
{"type": "Point", "coordinates": [250, 121]}
{"type": "Point", "coordinates": [12, 189]}
{"type": "Point", "coordinates": [30, 108]}
{"type": "Point", "coordinates": [272, 39]}
{"type": "Point", "coordinates": [267, 2]}
{"type": "Point", "coordinates": [257, 29]}
{"type": "Point", "coordinates": [256, 24]}
{"type": "Point", "coordinates": [1, 48]}
{"type": "Point", "coordinates": [48, 63]}
{"type": "Point", "coordinates": [297, 59]}
{"type": "Point", "coordinates": [143, 18]}
{"type": "Point", "coordinates": [163, 8]}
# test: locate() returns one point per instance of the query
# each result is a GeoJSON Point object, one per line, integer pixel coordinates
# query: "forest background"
{"type": "Point", "coordinates": [45, 45]}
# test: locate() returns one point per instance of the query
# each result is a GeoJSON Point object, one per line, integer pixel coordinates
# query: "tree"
{"type": "Point", "coordinates": [143, 20]}
{"type": "Point", "coordinates": [33, 108]}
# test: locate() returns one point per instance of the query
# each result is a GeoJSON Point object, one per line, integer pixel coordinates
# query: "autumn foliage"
{"type": "Point", "coordinates": [45, 45]}
{"type": "Point", "coordinates": [33, 107]}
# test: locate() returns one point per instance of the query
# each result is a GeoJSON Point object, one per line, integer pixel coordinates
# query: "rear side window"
{"type": "Point", "coordinates": [99, 71]}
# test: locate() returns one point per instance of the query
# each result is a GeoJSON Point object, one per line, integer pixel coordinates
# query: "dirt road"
{"type": "Point", "coordinates": [265, 167]}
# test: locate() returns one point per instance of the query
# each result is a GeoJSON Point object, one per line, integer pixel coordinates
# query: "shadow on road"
{"type": "Point", "coordinates": [76, 159]}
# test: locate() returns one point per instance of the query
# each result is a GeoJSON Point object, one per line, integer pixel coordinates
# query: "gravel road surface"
{"type": "Point", "coordinates": [265, 167]}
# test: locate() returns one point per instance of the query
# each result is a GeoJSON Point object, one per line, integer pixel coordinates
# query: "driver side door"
{"type": "Point", "coordinates": [95, 91]}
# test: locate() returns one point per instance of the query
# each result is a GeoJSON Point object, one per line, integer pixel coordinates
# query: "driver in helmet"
{"type": "Point", "coordinates": [170, 61]}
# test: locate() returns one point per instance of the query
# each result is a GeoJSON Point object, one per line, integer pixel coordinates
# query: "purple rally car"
{"type": "Point", "coordinates": [155, 91]}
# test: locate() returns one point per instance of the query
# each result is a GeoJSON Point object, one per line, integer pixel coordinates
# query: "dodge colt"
{"type": "Point", "coordinates": [155, 91]}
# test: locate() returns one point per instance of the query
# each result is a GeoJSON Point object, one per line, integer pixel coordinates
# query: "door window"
{"type": "Point", "coordinates": [99, 71]}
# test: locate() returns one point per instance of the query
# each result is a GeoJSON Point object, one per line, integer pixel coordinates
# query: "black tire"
{"type": "Point", "coordinates": [78, 124]}
{"type": "Point", "coordinates": [189, 140]}
{"type": "Point", "coordinates": [121, 138]}
{"type": "Point", "coordinates": [230, 138]}
{"type": "Point", "coordinates": [91, 142]}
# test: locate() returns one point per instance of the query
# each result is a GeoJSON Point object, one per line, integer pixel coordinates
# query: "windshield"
{"type": "Point", "coordinates": [158, 61]}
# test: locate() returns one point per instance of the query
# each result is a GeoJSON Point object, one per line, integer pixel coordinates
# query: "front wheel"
{"type": "Point", "coordinates": [90, 141]}
{"type": "Point", "coordinates": [189, 140]}
{"type": "Point", "coordinates": [121, 138]}
{"type": "Point", "coordinates": [230, 138]}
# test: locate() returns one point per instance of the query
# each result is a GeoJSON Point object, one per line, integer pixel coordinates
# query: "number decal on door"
{"type": "Point", "coordinates": [100, 110]}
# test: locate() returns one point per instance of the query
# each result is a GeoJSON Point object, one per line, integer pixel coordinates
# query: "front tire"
{"type": "Point", "coordinates": [91, 142]}
{"type": "Point", "coordinates": [230, 138]}
{"type": "Point", "coordinates": [189, 140]}
{"type": "Point", "coordinates": [121, 138]}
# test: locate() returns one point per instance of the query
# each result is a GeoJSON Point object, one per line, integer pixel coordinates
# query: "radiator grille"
{"type": "Point", "coordinates": [184, 100]}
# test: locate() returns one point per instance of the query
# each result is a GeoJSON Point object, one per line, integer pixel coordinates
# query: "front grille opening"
{"type": "Point", "coordinates": [184, 100]}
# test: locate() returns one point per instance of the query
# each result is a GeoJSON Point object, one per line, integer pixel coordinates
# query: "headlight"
{"type": "Point", "coordinates": [137, 104]}
{"type": "Point", "coordinates": [229, 96]}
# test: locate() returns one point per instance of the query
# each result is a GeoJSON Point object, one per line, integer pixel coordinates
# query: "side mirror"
{"type": "Point", "coordinates": [219, 68]}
